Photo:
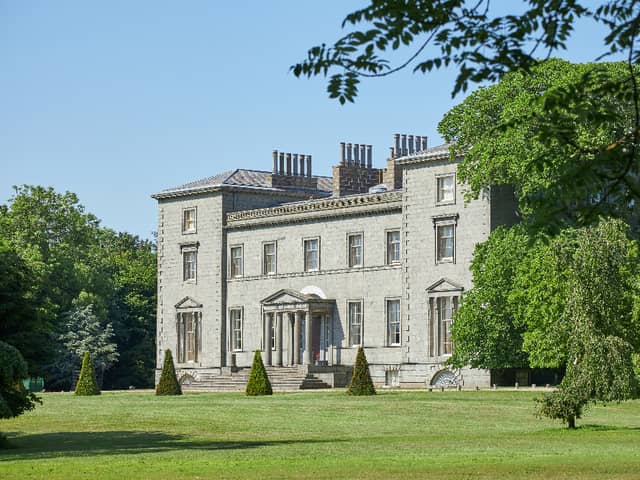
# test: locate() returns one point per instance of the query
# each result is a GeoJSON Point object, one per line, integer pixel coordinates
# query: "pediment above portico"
{"type": "Point", "coordinates": [444, 285]}
{"type": "Point", "coordinates": [188, 302]}
{"type": "Point", "coordinates": [287, 296]}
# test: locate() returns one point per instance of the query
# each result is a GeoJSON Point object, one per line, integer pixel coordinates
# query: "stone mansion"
{"type": "Point", "coordinates": [308, 268]}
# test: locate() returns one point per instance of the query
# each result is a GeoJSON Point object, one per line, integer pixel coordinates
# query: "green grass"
{"type": "Point", "coordinates": [316, 435]}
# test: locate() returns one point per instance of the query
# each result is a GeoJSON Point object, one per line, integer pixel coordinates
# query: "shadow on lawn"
{"type": "Point", "coordinates": [48, 445]}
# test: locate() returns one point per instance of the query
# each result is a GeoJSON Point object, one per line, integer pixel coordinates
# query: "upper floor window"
{"type": "Point", "coordinates": [269, 258]}
{"type": "Point", "coordinates": [393, 322]}
{"type": "Point", "coordinates": [355, 323]}
{"type": "Point", "coordinates": [311, 254]}
{"type": "Point", "coordinates": [445, 242]}
{"type": "Point", "coordinates": [446, 189]}
{"type": "Point", "coordinates": [189, 220]}
{"type": "Point", "coordinates": [236, 328]}
{"type": "Point", "coordinates": [355, 250]}
{"type": "Point", "coordinates": [189, 336]}
{"type": "Point", "coordinates": [236, 262]}
{"type": "Point", "coordinates": [393, 247]}
{"type": "Point", "coordinates": [189, 265]}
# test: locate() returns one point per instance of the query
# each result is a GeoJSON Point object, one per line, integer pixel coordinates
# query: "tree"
{"type": "Point", "coordinates": [485, 46]}
{"type": "Point", "coordinates": [14, 399]}
{"type": "Point", "coordinates": [258, 383]}
{"type": "Point", "coordinates": [87, 384]}
{"type": "Point", "coordinates": [84, 333]}
{"type": "Point", "coordinates": [361, 383]}
{"type": "Point", "coordinates": [168, 384]}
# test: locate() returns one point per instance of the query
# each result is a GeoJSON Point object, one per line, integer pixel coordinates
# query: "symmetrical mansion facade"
{"type": "Point", "coordinates": [307, 268]}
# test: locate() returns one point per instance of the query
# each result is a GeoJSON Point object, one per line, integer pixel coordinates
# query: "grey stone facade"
{"type": "Point", "coordinates": [287, 263]}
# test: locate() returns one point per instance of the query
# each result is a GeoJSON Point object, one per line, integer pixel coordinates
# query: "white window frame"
{"type": "Point", "coordinates": [359, 316]}
{"type": "Point", "coordinates": [352, 250]}
{"type": "Point", "coordinates": [445, 343]}
{"type": "Point", "coordinates": [233, 273]}
{"type": "Point", "coordinates": [193, 270]}
{"type": "Point", "coordinates": [265, 271]}
{"type": "Point", "coordinates": [306, 241]}
{"type": "Point", "coordinates": [439, 224]}
{"type": "Point", "coordinates": [194, 229]}
{"type": "Point", "coordinates": [389, 247]}
{"type": "Point", "coordinates": [236, 333]}
{"type": "Point", "coordinates": [440, 199]}
{"type": "Point", "coordinates": [391, 340]}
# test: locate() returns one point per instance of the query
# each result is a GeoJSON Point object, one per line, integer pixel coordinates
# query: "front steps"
{"type": "Point", "coordinates": [283, 379]}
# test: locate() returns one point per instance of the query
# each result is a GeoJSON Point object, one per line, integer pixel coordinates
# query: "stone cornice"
{"type": "Point", "coordinates": [290, 192]}
{"type": "Point", "coordinates": [315, 273]}
{"type": "Point", "coordinates": [369, 203]}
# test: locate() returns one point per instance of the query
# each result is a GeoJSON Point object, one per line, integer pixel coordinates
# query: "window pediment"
{"type": "Point", "coordinates": [444, 285]}
{"type": "Point", "coordinates": [188, 302]}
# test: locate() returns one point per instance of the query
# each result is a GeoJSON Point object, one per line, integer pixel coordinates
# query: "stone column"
{"type": "Point", "coordinates": [296, 337]}
{"type": "Point", "coordinates": [307, 339]}
{"type": "Point", "coordinates": [280, 318]}
{"type": "Point", "coordinates": [268, 319]}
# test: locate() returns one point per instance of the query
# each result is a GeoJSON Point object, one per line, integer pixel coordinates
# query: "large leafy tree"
{"type": "Point", "coordinates": [14, 399]}
{"type": "Point", "coordinates": [486, 42]}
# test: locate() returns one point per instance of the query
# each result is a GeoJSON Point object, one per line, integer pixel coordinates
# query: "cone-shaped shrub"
{"type": "Point", "coordinates": [87, 384]}
{"type": "Point", "coordinates": [361, 383]}
{"type": "Point", "coordinates": [168, 384]}
{"type": "Point", "coordinates": [258, 383]}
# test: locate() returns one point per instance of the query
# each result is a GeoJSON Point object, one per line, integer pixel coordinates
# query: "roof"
{"type": "Point", "coordinates": [256, 179]}
{"type": "Point", "coordinates": [441, 152]}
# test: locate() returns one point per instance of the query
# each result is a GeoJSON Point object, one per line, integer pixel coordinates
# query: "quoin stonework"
{"type": "Point", "coordinates": [308, 268]}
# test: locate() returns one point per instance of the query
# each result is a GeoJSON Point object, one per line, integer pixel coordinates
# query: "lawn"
{"type": "Point", "coordinates": [469, 434]}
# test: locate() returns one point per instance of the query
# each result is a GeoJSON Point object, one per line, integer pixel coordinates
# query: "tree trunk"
{"type": "Point", "coordinates": [571, 422]}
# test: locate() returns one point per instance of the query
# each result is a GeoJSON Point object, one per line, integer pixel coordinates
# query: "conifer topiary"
{"type": "Point", "coordinates": [168, 384]}
{"type": "Point", "coordinates": [361, 383]}
{"type": "Point", "coordinates": [258, 383]}
{"type": "Point", "coordinates": [87, 384]}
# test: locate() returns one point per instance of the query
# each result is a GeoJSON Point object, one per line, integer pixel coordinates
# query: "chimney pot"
{"type": "Point", "coordinates": [391, 152]}
{"type": "Point", "coordinates": [369, 156]}
{"type": "Point", "coordinates": [342, 153]}
{"type": "Point", "coordinates": [281, 170]}
{"type": "Point", "coordinates": [356, 154]}
{"type": "Point", "coordinates": [295, 164]}
{"type": "Point", "coordinates": [288, 164]}
{"type": "Point", "coordinates": [275, 162]}
{"type": "Point", "coordinates": [404, 144]}
{"type": "Point", "coordinates": [363, 155]}
{"type": "Point", "coordinates": [309, 166]}
{"type": "Point", "coordinates": [302, 164]}
{"type": "Point", "coordinates": [424, 143]}
{"type": "Point", "coordinates": [396, 144]}
{"type": "Point", "coordinates": [411, 144]}
{"type": "Point", "coordinates": [349, 151]}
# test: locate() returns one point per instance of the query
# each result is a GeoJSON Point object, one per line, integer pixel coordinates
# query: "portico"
{"type": "Point", "coordinates": [297, 328]}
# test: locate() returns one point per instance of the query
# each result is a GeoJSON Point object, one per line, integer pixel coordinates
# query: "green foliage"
{"type": "Point", "coordinates": [14, 399]}
{"type": "Point", "coordinates": [168, 384]}
{"type": "Point", "coordinates": [561, 155]}
{"type": "Point", "coordinates": [361, 383]}
{"type": "Point", "coordinates": [87, 384]}
{"type": "Point", "coordinates": [258, 383]}
{"type": "Point", "coordinates": [57, 259]}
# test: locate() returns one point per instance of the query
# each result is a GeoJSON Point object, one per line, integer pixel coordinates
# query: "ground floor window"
{"type": "Point", "coordinates": [236, 328]}
{"type": "Point", "coordinates": [355, 323]}
{"type": "Point", "coordinates": [189, 336]}
{"type": "Point", "coordinates": [442, 310]}
{"type": "Point", "coordinates": [393, 322]}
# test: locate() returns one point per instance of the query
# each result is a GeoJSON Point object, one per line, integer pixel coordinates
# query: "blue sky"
{"type": "Point", "coordinates": [117, 100]}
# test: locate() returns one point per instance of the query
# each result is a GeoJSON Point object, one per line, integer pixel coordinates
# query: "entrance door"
{"type": "Point", "coordinates": [315, 338]}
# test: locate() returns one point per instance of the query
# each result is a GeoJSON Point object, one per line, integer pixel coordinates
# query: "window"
{"type": "Point", "coordinates": [355, 250]}
{"type": "Point", "coordinates": [189, 220]}
{"type": "Point", "coordinates": [393, 322]}
{"type": "Point", "coordinates": [446, 308]}
{"type": "Point", "coordinates": [236, 328]}
{"type": "Point", "coordinates": [446, 189]}
{"type": "Point", "coordinates": [355, 323]}
{"type": "Point", "coordinates": [236, 262]}
{"type": "Point", "coordinates": [311, 255]}
{"type": "Point", "coordinates": [189, 265]}
{"type": "Point", "coordinates": [393, 247]}
{"type": "Point", "coordinates": [269, 258]}
{"type": "Point", "coordinates": [392, 378]}
{"type": "Point", "coordinates": [189, 336]}
{"type": "Point", "coordinates": [445, 242]}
